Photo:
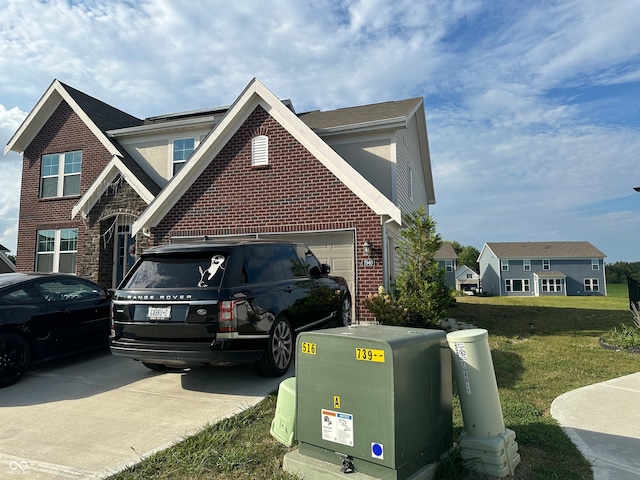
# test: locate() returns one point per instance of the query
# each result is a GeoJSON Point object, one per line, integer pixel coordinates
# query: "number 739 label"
{"type": "Point", "coordinates": [370, 355]}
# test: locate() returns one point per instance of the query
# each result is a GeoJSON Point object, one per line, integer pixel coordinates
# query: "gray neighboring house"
{"type": "Point", "coordinates": [542, 268]}
{"type": "Point", "coordinates": [6, 265]}
{"type": "Point", "coordinates": [446, 256]}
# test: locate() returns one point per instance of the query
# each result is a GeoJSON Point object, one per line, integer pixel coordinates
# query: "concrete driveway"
{"type": "Point", "coordinates": [89, 416]}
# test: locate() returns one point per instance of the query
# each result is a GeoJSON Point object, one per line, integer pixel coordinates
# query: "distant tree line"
{"type": "Point", "coordinates": [467, 256]}
{"type": "Point", "coordinates": [619, 271]}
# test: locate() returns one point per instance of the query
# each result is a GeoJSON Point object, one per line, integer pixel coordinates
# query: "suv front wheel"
{"type": "Point", "coordinates": [277, 358]}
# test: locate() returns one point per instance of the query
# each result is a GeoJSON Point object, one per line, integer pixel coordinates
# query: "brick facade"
{"type": "Point", "coordinates": [294, 193]}
{"type": "Point", "coordinates": [64, 131]}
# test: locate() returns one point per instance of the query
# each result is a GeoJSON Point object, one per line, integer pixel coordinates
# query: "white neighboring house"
{"type": "Point", "coordinates": [467, 280]}
{"type": "Point", "coordinates": [6, 265]}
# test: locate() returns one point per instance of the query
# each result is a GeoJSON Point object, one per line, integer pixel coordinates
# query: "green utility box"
{"type": "Point", "coordinates": [374, 399]}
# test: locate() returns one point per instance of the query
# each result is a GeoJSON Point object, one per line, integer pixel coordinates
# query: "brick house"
{"type": "Point", "coordinates": [99, 185]}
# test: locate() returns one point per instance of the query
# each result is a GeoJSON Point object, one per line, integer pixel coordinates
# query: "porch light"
{"type": "Point", "coordinates": [366, 248]}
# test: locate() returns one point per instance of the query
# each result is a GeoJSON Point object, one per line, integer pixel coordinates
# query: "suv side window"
{"type": "Point", "coordinates": [308, 259]}
{"type": "Point", "coordinates": [257, 265]}
{"type": "Point", "coordinates": [286, 264]}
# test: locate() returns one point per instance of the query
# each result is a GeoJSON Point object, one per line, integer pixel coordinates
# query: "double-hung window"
{"type": "Point", "coordinates": [591, 285]}
{"type": "Point", "coordinates": [61, 174]}
{"type": "Point", "coordinates": [526, 265]}
{"type": "Point", "coordinates": [448, 265]}
{"type": "Point", "coordinates": [504, 265]}
{"type": "Point", "coordinates": [595, 264]}
{"type": "Point", "coordinates": [546, 264]}
{"type": "Point", "coordinates": [57, 250]}
{"type": "Point", "coordinates": [182, 149]}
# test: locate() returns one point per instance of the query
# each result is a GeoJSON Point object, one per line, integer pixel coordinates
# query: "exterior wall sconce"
{"type": "Point", "coordinates": [366, 248]}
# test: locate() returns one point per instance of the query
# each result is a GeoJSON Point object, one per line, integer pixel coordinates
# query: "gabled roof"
{"type": "Point", "coordinates": [521, 250]}
{"type": "Point", "coordinates": [133, 174]}
{"type": "Point", "coordinates": [254, 95]}
{"type": "Point", "coordinates": [97, 115]}
{"type": "Point", "coordinates": [445, 252]}
{"type": "Point", "coordinates": [395, 114]}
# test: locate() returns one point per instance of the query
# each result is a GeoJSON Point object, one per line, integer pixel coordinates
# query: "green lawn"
{"type": "Point", "coordinates": [541, 347]}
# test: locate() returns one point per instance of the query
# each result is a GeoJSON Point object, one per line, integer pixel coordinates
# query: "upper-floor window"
{"type": "Point", "coordinates": [546, 264]}
{"type": "Point", "coordinates": [61, 174]}
{"type": "Point", "coordinates": [259, 150]}
{"type": "Point", "coordinates": [595, 264]}
{"type": "Point", "coordinates": [57, 250]}
{"type": "Point", "coordinates": [504, 264]}
{"type": "Point", "coordinates": [526, 265]}
{"type": "Point", "coordinates": [448, 265]}
{"type": "Point", "coordinates": [182, 149]}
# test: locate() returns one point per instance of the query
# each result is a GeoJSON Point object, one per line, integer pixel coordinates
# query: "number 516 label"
{"type": "Point", "coordinates": [308, 348]}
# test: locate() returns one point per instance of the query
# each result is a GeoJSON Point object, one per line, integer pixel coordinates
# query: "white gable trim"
{"type": "Point", "coordinates": [108, 175]}
{"type": "Point", "coordinates": [41, 113]}
{"type": "Point", "coordinates": [256, 94]}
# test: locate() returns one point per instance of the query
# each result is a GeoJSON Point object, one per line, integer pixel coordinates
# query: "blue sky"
{"type": "Point", "coordinates": [533, 107]}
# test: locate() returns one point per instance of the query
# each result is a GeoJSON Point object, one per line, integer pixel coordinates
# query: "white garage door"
{"type": "Point", "coordinates": [333, 248]}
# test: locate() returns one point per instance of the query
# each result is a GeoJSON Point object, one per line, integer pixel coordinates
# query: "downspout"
{"type": "Point", "coordinates": [385, 254]}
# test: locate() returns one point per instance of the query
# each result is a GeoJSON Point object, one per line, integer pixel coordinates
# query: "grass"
{"type": "Point", "coordinates": [541, 347]}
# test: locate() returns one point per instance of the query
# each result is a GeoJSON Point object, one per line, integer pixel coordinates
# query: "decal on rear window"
{"type": "Point", "coordinates": [216, 264]}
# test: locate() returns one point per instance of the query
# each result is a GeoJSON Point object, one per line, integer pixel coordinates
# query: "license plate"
{"type": "Point", "coordinates": [159, 313]}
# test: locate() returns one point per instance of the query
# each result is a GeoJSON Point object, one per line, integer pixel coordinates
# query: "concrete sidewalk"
{"type": "Point", "coordinates": [603, 421]}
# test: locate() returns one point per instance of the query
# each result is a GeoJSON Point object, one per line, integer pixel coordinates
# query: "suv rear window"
{"type": "Point", "coordinates": [178, 271]}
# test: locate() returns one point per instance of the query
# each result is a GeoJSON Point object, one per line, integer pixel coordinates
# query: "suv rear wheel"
{"type": "Point", "coordinates": [277, 358]}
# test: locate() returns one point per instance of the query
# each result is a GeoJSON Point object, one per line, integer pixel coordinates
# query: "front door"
{"type": "Point", "coordinates": [124, 253]}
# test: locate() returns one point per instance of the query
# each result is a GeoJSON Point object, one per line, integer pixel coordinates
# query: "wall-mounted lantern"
{"type": "Point", "coordinates": [366, 248]}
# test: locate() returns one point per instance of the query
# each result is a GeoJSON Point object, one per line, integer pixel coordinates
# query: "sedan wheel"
{"type": "Point", "coordinates": [15, 358]}
{"type": "Point", "coordinates": [279, 353]}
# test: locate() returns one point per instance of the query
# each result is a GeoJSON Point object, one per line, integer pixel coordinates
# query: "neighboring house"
{"type": "Point", "coordinates": [6, 265]}
{"type": "Point", "coordinates": [467, 279]}
{"type": "Point", "coordinates": [542, 268]}
{"type": "Point", "coordinates": [446, 256]}
{"type": "Point", "coordinates": [100, 185]}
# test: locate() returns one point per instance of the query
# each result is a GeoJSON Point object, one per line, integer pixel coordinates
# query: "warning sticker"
{"type": "Point", "coordinates": [337, 427]}
{"type": "Point", "coordinates": [461, 353]}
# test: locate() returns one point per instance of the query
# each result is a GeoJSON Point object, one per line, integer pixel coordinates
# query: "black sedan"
{"type": "Point", "coordinates": [43, 316]}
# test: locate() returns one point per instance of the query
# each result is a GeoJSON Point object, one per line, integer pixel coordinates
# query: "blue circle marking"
{"type": "Point", "coordinates": [376, 450]}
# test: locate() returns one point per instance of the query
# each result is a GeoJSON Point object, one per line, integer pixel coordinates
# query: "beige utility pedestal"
{"type": "Point", "coordinates": [485, 445]}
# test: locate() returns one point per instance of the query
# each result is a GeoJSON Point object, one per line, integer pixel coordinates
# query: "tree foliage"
{"type": "Point", "coordinates": [467, 255]}
{"type": "Point", "coordinates": [619, 271]}
{"type": "Point", "coordinates": [421, 282]}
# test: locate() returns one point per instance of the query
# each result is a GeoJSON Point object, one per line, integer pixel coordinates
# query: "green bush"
{"type": "Point", "coordinates": [386, 308]}
{"type": "Point", "coordinates": [624, 337]}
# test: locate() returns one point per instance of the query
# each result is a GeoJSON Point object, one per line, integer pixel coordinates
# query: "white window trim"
{"type": "Point", "coordinates": [526, 265]}
{"type": "Point", "coordinates": [551, 285]}
{"type": "Point", "coordinates": [172, 162]}
{"type": "Point", "coordinates": [504, 265]}
{"type": "Point", "coordinates": [546, 264]}
{"type": "Point", "coordinates": [56, 248]}
{"type": "Point", "coordinates": [590, 283]}
{"type": "Point", "coordinates": [595, 264]}
{"type": "Point", "coordinates": [60, 175]}
{"type": "Point", "coordinates": [448, 265]}
{"type": "Point", "coordinates": [526, 285]}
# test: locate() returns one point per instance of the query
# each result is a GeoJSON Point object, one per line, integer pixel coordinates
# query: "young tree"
{"type": "Point", "coordinates": [469, 256]}
{"type": "Point", "coordinates": [421, 281]}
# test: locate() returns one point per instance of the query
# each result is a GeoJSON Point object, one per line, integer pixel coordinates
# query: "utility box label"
{"type": "Point", "coordinates": [337, 427]}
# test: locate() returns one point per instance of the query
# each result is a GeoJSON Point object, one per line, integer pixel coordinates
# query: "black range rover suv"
{"type": "Point", "coordinates": [224, 303]}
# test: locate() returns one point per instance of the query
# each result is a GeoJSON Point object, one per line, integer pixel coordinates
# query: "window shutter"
{"type": "Point", "coordinates": [260, 150]}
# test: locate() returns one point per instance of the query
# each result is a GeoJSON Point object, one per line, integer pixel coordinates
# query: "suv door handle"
{"type": "Point", "coordinates": [289, 289]}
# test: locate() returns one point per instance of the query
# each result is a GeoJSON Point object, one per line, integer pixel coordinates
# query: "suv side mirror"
{"type": "Point", "coordinates": [326, 269]}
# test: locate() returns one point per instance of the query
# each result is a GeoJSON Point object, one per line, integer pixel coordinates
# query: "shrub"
{"type": "Point", "coordinates": [386, 308]}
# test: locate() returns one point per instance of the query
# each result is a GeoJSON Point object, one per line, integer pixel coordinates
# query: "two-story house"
{"type": "Point", "coordinates": [447, 258]}
{"type": "Point", "coordinates": [100, 185]}
{"type": "Point", "coordinates": [542, 268]}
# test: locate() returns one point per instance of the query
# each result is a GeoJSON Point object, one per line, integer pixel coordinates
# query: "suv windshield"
{"type": "Point", "coordinates": [163, 271]}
